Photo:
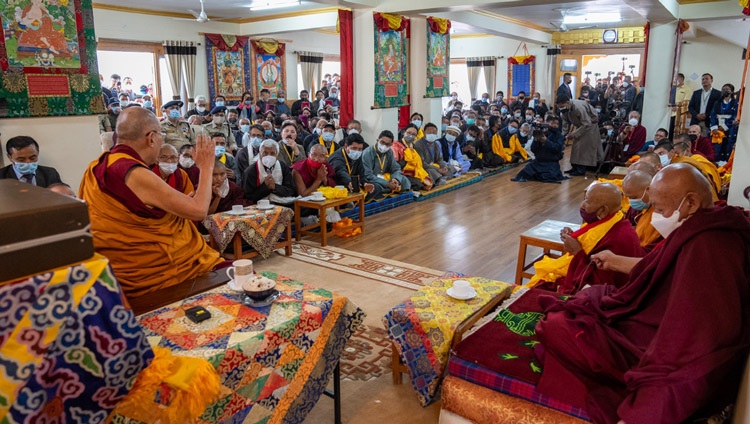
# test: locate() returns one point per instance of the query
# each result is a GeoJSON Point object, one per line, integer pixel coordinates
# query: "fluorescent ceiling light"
{"type": "Point", "coordinates": [274, 4]}
{"type": "Point", "coordinates": [592, 18]}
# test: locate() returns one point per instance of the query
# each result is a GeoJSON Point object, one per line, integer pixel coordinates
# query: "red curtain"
{"type": "Point", "coordinates": [346, 38]}
{"type": "Point", "coordinates": [404, 112]}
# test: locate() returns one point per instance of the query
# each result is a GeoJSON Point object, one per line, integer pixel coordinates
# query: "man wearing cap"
{"type": "Point", "coordinates": [177, 130]}
{"type": "Point", "coordinates": [219, 125]}
{"type": "Point", "coordinates": [452, 155]}
{"type": "Point", "coordinates": [107, 122]}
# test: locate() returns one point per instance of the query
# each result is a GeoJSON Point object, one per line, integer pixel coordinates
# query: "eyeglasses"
{"type": "Point", "coordinates": [161, 133]}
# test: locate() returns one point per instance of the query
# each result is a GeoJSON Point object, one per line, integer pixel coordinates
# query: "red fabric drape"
{"type": "Point", "coordinates": [346, 39]}
{"type": "Point", "coordinates": [404, 113]}
{"type": "Point", "coordinates": [384, 25]}
{"type": "Point", "coordinates": [435, 26]}
{"type": "Point", "coordinates": [646, 31]}
{"type": "Point", "coordinates": [260, 49]}
{"type": "Point", "coordinates": [221, 44]}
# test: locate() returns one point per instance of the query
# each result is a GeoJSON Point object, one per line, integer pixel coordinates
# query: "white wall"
{"type": "Point", "coordinates": [707, 53]}
{"type": "Point", "coordinates": [499, 46]}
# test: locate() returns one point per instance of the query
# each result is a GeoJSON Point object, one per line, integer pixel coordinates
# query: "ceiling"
{"type": "Point", "coordinates": [216, 9]}
{"type": "Point", "coordinates": [734, 31]}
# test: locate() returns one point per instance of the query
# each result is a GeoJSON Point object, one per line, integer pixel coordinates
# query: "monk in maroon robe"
{"type": "Point", "coordinates": [313, 172]}
{"type": "Point", "coordinates": [671, 344]}
{"type": "Point", "coordinates": [225, 193]}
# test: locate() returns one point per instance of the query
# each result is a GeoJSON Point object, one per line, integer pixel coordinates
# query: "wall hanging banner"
{"type": "Point", "coordinates": [438, 57]}
{"type": "Point", "coordinates": [268, 66]}
{"type": "Point", "coordinates": [391, 61]}
{"type": "Point", "coordinates": [521, 74]}
{"type": "Point", "coordinates": [48, 59]}
{"type": "Point", "coordinates": [228, 65]}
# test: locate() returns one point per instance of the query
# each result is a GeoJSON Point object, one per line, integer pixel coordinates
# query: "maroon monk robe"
{"type": "Point", "coordinates": [309, 174]}
{"type": "Point", "coordinates": [622, 240]}
{"type": "Point", "coordinates": [194, 173]}
{"type": "Point", "coordinates": [703, 146]}
{"type": "Point", "coordinates": [236, 196]}
{"type": "Point", "coordinates": [671, 343]}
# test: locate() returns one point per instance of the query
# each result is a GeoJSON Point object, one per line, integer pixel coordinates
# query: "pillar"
{"type": "Point", "coordinates": [373, 120]}
{"type": "Point", "coordinates": [741, 167]}
{"type": "Point", "coordinates": [431, 108]}
{"type": "Point", "coordinates": [656, 112]}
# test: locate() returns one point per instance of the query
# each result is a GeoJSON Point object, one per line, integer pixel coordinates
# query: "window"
{"type": "Point", "coordinates": [143, 62]}
{"type": "Point", "coordinates": [569, 65]}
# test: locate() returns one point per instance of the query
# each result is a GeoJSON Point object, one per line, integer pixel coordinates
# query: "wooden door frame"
{"type": "Point", "coordinates": [558, 74]}
{"type": "Point", "coordinates": [107, 44]}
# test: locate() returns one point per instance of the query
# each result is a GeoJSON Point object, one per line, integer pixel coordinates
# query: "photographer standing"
{"type": "Point", "coordinates": [548, 150]}
{"type": "Point", "coordinates": [583, 132]}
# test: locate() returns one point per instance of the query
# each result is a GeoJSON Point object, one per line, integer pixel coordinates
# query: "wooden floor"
{"type": "Point", "coordinates": [473, 230]}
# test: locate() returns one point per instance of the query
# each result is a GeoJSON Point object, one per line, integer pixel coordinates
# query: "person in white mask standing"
{"type": "Point", "coordinates": [168, 170]}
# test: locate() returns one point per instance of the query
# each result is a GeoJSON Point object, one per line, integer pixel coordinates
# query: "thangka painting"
{"type": "Point", "coordinates": [521, 74]}
{"type": "Point", "coordinates": [391, 72]}
{"type": "Point", "coordinates": [48, 59]}
{"type": "Point", "coordinates": [269, 67]}
{"type": "Point", "coordinates": [438, 57]}
{"type": "Point", "coordinates": [228, 60]}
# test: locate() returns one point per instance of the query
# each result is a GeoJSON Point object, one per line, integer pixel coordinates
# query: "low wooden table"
{"type": "Point", "coordinates": [321, 207]}
{"type": "Point", "coordinates": [545, 235]}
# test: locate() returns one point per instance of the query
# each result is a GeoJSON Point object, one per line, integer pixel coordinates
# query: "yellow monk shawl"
{"type": "Point", "coordinates": [146, 253]}
{"type": "Point", "coordinates": [550, 269]}
{"type": "Point", "coordinates": [413, 162]}
{"type": "Point", "coordinates": [706, 168]}
{"type": "Point", "coordinates": [514, 145]}
{"type": "Point", "coordinates": [647, 234]}
{"type": "Point", "coordinates": [323, 143]}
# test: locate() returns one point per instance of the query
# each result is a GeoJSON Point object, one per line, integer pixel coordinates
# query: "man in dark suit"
{"type": "Point", "coordinates": [23, 152]}
{"type": "Point", "coordinates": [564, 88]}
{"type": "Point", "coordinates": [702, 103]}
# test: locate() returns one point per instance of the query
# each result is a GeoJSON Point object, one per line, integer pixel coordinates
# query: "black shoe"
{"type": "Point", "coordinates": [570, 170]}
{"type": "Point", "coordinates": [577, 173]}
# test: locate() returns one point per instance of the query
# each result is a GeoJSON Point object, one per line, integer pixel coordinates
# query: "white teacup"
{"type": "Point", "coordinates": [238, 208]}
{"type": "Point", "coordinates": [264, 204]}
{"type": "Point", "coordinates": [462, 288]}
{"type": "Point", "coordinates": [318, 195]}
{"type": "Point", "coordinates": [240, 272]}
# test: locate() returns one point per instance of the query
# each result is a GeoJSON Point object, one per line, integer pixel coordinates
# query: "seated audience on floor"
{"type": "Point", "coordinates": [62, 188]}
{"type": "Point", "coordinates": [224, 193]}
{"type": "Point", "coordinates": [220, 151]}
{"type": "Point", "coordinates": [487, 154]}
{"type": "Point", "coordinates": [187, 163]}
{"type": "Point", "coordinates": [604, 228]}
{"type": "Point", "coordinates": [724, 123]}
{"type": "Point", "coordinates": [431, 153]}
{"type": "Point", "coordinates": [700, 144]}
{"type": "Point", "coordinates": [177, 130]}
{"type": "Point", "coordinates": [140, 223]}
{"type": "Point", "coordinates": [269, 178]}
{"type": "Point", "coordinates": [325, 139]}
{"type": "Point", "coordinates": [416, 118]}
{"type": "Point", "coordinates": [660, 135]}
{"type": "Point", "coordinates": [347, 167]}
{"type": "Point", "coordinates": [167, 168]}
{"type": "Point", "coordinates": [548, 152]}
{"type": "Point", "coordinates": [410, 161]}
{"type": "Point", "coordinates": [635, 188]}
{"type": "Point", "coordinates": [514, 150]}
{"type": "Point", "coordinates": [248, 154]}
{"type": "Point", "coordinates": [452, 155]}
{"type": "Point", "coordinates": [381, 168]}
{"type": "Point", "coordinates": [290, 151]}
{"type": "Point", "coordinates": [23, 152]}
{"type": "Point", "coordinates": [632, 136]}
{"type": "Point", "coordinates": [314, 172]}
{"type": "Point", "coordinates": [660, 364]}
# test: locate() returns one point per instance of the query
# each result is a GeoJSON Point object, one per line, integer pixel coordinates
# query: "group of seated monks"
{"type": "Point", "coordinates": [656, 329]}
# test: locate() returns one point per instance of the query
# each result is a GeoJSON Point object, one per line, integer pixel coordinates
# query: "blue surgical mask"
{"type": "Point", "coordinates": [148, 103]}
{"type": "Point", "coordinates": [638, 204]}
{"type": "Point", "coordinates": [610, 132]}
{"type": "Point", "coordinates": [517, 114]}
{"type": "Point", "coordinates": [220, 150]}
{"type": "Point", "coordinates": [450, 138]}
{"type": "Point", "coordinates": [328, 136]}
{"type": "Point", "coordinates": [417, 122]}
{"type": "Point", "coordinates": [354, 154]}
{"type": "Point", "coordinates": [470, 121]}
{"type": "Point", "coordinates": [26, 168]}
{"type": "Point", "coordinates": [174, 114]}
{"type": "Point", "coordinates": [255, 142]}
{"type": "Point", "coordinates": [504, 110]}
{"type": "Point", "coordinates": [469, 137]}
{"type": "Point", "coordinates": [431, 137]}
{"type": "Point", "coordinates": [269, 133]}
{"type": "Point", "coordinates": [512, 129]}
{"type": "Point", "coordinates": [245, 128]}
{"type": "Point", "coordinates": [219, 103]}
{"type": "Point", "coordinates": [443, 127]}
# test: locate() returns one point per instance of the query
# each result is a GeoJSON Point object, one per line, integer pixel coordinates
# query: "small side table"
{"type": "Point", "coordinates": [545, 235]}
{"type": "Point", "coordinates": [321, 207]}
{"type": "Point", "coordinates": [618, 172]}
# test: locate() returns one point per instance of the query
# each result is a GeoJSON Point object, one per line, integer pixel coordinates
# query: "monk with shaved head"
{"type": "Point", "coordinates": [652, 159]}
{"type": "Point", "coordinates": [643, 167]}
{"type": "Point", "coordinates": [635, 188]}
{"type": "Point", "coordinates": [604, 228]}
{"type": "Point", "coordinates": [141, 223]}
{"type": "Point", "coordinates": [670, 345]}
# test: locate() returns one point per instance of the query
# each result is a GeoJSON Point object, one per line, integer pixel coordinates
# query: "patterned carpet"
{"type": "Point", "coordinates": [372, 267]}
{"type": "Point", "coordinates": [367, 355]}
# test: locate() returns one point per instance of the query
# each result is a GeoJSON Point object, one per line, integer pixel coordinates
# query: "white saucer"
{"type": "Point", "coordinates": [317, 199]}
{"type": "Point", "coordinates": [231, 286]}
{"type": "Point", "coordinates": [231, 212]}
{"type": "Point", "coordinates": [267, 207]}
{"type": "Point", "coordinates": [467, 296]}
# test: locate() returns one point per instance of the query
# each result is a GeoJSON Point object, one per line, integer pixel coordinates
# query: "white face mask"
{"type": "Point", "coordinates": [218, 120]}
{"type": "Point", "coordinates": [186, 162]}
{"type": "Point", "coordinates": [268, 161]}
{"type": "Point", "coordinates": [431, 137]}
{"type": "Point", "coordinates": [664, 159]}
{"type": "Point", "coordinates": [354, 154]}
{"type": "Point", "coordinates": [167, 168]}
{"type": "Point", "coordinates": [665, 225]}
{"type": "Point", "coordinates": [200, 109]}
{"type": "Point", "coordinates": [633, 122]}
{"type": "Point", "coordinates": [382, 148]}
{"type": "Point", "coordinates": [353, 131]}
{"type": "Point", "coordinates": [224, 189]}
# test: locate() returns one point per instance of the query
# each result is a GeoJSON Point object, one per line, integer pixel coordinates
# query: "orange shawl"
{"type": "Point", "coordinates": [647, 234]}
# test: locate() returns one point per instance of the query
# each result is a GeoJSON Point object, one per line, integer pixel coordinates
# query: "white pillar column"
{"type": "Point", "coordinates": [430, 108]}
{"type": "Point", "coordinates": [373, 120]}
{"type": "Point", "coordinates": [656, 112]}
{"type": "Point", "coordinates": [741, 167]}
